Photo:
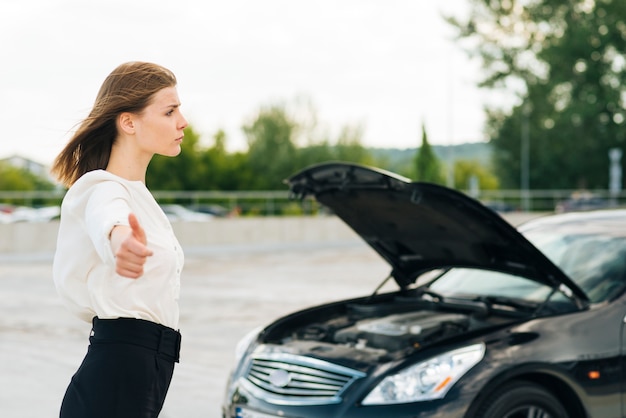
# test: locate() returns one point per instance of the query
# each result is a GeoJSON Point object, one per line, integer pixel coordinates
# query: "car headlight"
{"type": "Point", "coordinates": [427, 380]}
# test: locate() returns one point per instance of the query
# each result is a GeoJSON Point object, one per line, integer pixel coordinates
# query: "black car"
{"type": "Point", "coordinates": [487, 321]}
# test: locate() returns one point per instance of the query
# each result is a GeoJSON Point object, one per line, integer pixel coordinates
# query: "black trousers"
{"type": "Point", "coordinates": [126, 372]}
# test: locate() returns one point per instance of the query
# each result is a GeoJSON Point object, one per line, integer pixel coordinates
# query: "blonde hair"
{"type": "Point", "coordinates": [129, 88]}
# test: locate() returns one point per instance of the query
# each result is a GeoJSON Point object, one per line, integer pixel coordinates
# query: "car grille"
{"type": "Point", "coordinates": [288, 379]}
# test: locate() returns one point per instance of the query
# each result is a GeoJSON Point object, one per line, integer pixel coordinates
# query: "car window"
{"type": "Point", "coordinates": [595, 262]}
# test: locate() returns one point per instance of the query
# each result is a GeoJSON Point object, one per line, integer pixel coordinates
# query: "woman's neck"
{"type": "Point", "coordinates": [127, 163]}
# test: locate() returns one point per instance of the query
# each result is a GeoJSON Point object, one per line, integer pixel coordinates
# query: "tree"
{"type": "Point", "coordinates": [221, 170]}
{"type": "Point", "coordinates": [427, 165]}
{"type": "Point", "coordinates": [349, 147]}
{"type": "Point", "coordinates": [565, 61]}
{"type": "Point", "coordinates": [464, 170]}
{"type": "Point", "coordinates": [273, 137]}
{"type": "Point", "coordinates": [19, 179]}
{"type": "Point", "coordinates": [271, 149]}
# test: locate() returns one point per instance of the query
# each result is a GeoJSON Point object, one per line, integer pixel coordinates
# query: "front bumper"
{"type": "Point", "coordinates": [242, 404]}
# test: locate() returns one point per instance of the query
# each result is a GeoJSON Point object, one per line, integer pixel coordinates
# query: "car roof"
{"type": "Point", "coordinates": [606, 221]}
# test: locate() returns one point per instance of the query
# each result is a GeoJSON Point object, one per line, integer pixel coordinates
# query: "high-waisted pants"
{"type": "Point", "coordinates": [126, 372]}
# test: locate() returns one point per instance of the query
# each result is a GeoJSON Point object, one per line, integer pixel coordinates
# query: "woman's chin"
{"type": "Point", "coordinates": [172, 152]}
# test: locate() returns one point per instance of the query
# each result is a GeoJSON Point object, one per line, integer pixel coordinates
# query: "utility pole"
{"type": "Point", "coordinates": [615, 174]}
{"type": "Point", "coordinates": [450, 115]}
{"type": "Point", "coordinates": [525, 157]}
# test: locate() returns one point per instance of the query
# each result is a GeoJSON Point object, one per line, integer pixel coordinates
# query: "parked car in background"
{"type": "Point", "coordinates": [215, 210]}
{"type": "Point", "coordinates": [5, 217]}
{"type": "Point", "coordinates": [486, 321]}
{"type": "Point", "coordinates": [581, 201]}
{"type": "Point", "coordinates": [180, 213]}
{"type": "Point", "coordinates": [13, 214]}
{"type": "Point", "coordinates": [40, 214]}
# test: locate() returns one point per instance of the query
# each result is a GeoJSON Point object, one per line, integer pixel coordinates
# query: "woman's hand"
{"type": "Point", "coordinates": [129, 244]}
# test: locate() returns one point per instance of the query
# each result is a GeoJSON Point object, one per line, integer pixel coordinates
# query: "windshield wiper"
{"type": "Point", "coordinates": [503, 303]}
{"type": "Point", "coordinates": [447, 302]}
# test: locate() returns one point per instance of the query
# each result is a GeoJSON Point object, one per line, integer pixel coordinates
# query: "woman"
{"type": "Point", "coordinates": [117, 262]}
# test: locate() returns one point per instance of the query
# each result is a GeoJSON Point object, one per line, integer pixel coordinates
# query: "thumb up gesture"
{"type": "Point", "coordinates": [129, 245]}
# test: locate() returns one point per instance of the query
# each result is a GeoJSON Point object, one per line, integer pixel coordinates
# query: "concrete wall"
{"type": "Point", "coordinates": [24, 238]}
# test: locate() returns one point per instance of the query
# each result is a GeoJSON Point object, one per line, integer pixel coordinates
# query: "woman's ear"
{"type": "Point", "coordinates": [125, 123]}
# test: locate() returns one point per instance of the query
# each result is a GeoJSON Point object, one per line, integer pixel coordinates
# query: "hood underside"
{"type": "Point", "coordinates": [418, 227]}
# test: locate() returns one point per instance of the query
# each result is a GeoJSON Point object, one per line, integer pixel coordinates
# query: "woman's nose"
{"type": "Point", "coordinates": [183, 122]}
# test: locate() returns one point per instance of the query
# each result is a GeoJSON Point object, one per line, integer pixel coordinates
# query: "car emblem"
{"type": "Point", "coordinates": [280, 378]}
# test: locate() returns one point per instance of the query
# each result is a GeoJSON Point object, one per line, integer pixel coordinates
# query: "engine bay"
{"type": "Point", "coordinates": [376, 332]}
{"type": "Point", "coordinates": [395, 332]}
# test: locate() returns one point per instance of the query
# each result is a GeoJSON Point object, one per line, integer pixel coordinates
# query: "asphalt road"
{"type": "Point", "coordinates": [226, 292]}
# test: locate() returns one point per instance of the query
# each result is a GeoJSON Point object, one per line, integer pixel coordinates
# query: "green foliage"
{"type": "Point", "coordinates": [273, 153]}
{"type": "Point", "coordinates": [291, 209]}
{"type": "Point", "coordinates": [427, 165]}
{"type": "Point", "coordinates": [19, 179]}
{"type": "Point", "coordinates": [566, 60]}
{"type": "Point", "coordinates": [464, 170]}
{"type": "Point", "coordinates": [183, 172]}
{"type": "Point", "coordinates": [349, 147]}
{"type": "Point", "coordinates": [272, 156]}
{"type": "Point", "coordinates": [271, 148]}
{"type": "Point", "coordinates": [402, 161]}
{"type": "Point", "coordinates": [200, 168]}
{"type": "Point", "coordinates": [222, 170]}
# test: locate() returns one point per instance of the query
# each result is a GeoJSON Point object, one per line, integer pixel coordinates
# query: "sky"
{"type": "Point", "coordinates": [384, 66]}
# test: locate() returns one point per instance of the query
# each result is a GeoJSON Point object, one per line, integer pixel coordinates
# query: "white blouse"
{"type": "Point", "coordinates": [84, 264]}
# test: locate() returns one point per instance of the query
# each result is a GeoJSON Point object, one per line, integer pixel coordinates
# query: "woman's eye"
{"type": "Point", "coordinates": [170, 113]}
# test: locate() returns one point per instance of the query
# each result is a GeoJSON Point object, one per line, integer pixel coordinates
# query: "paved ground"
{"type": "Point", "coordinates": [226, 292]}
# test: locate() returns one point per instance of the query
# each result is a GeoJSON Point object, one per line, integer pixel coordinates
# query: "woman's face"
{"type": "Point", "coordinates": [159, 127]}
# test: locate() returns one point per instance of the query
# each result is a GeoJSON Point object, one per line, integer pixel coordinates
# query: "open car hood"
{"type": "Point", "coordinates": [418, 227]}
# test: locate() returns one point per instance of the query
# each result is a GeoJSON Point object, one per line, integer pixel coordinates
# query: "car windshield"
{"type": "Point", "coordinates": [595, 262]}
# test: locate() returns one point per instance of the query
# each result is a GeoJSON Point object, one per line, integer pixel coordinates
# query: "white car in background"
{"type": "Point", "coordinates": [180, 213]}
{"type": "Point", "coordinates": [28, 214]}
